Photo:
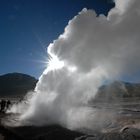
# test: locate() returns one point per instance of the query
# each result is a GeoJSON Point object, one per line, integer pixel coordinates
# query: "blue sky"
{"type": "Point", "coordinates": [27, 27]}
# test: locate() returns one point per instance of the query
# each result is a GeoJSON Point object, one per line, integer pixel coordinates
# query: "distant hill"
{"type": "Point", "coordinates": [16, 84]}
{"type": "Point", "coordinates": [119, 89]}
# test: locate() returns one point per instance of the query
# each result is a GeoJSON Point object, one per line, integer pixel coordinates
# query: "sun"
{"type": "Point", "coordinates": [54, 63]}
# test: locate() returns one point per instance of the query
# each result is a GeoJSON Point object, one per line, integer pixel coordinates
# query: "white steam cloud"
{"type": "Point", "coordinates": [91, 50]}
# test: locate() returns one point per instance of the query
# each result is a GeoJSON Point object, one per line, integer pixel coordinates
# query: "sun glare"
{"type": "Point", "coordinates": [54, 63]}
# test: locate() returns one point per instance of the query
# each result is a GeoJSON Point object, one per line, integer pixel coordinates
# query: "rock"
{"type": "Point", "coordinates": [130, 134]}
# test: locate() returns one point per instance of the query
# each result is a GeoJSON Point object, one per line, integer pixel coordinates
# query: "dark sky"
{"type": "Point", "coordinates": [28, 26]}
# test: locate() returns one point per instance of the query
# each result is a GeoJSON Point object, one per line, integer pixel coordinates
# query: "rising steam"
{"type": "Point", "coordinates": [92, 49]}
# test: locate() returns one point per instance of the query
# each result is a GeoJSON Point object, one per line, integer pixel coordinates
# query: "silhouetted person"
{"type": "Point", "coordinates": [3, 105]}
{"type": "Point", "coordinates": [0, 105]}
{"type": "Point", "coordinates": [8, 104]}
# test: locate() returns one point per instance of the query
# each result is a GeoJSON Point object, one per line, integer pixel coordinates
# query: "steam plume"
{"type": "Point", "coordinates": [91, 50]}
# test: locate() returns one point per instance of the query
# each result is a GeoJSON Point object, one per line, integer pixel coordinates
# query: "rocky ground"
{"type": "Point", "coordinates": [55, 132]}
{"type": "Point", "coordinates": [126, 126]}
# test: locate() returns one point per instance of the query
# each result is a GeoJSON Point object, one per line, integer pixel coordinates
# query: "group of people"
{"type": "Point", "coordinates": [4, 105]}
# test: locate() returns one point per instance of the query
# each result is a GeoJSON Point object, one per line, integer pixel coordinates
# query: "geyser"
{"type": "Point", "coordinates": [92, 49]}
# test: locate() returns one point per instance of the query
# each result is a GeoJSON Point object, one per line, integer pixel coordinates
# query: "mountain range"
{"type": "Point", "coordinates": [119, 89]}
{"type": "Point", "coordinates": [18, 84]}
